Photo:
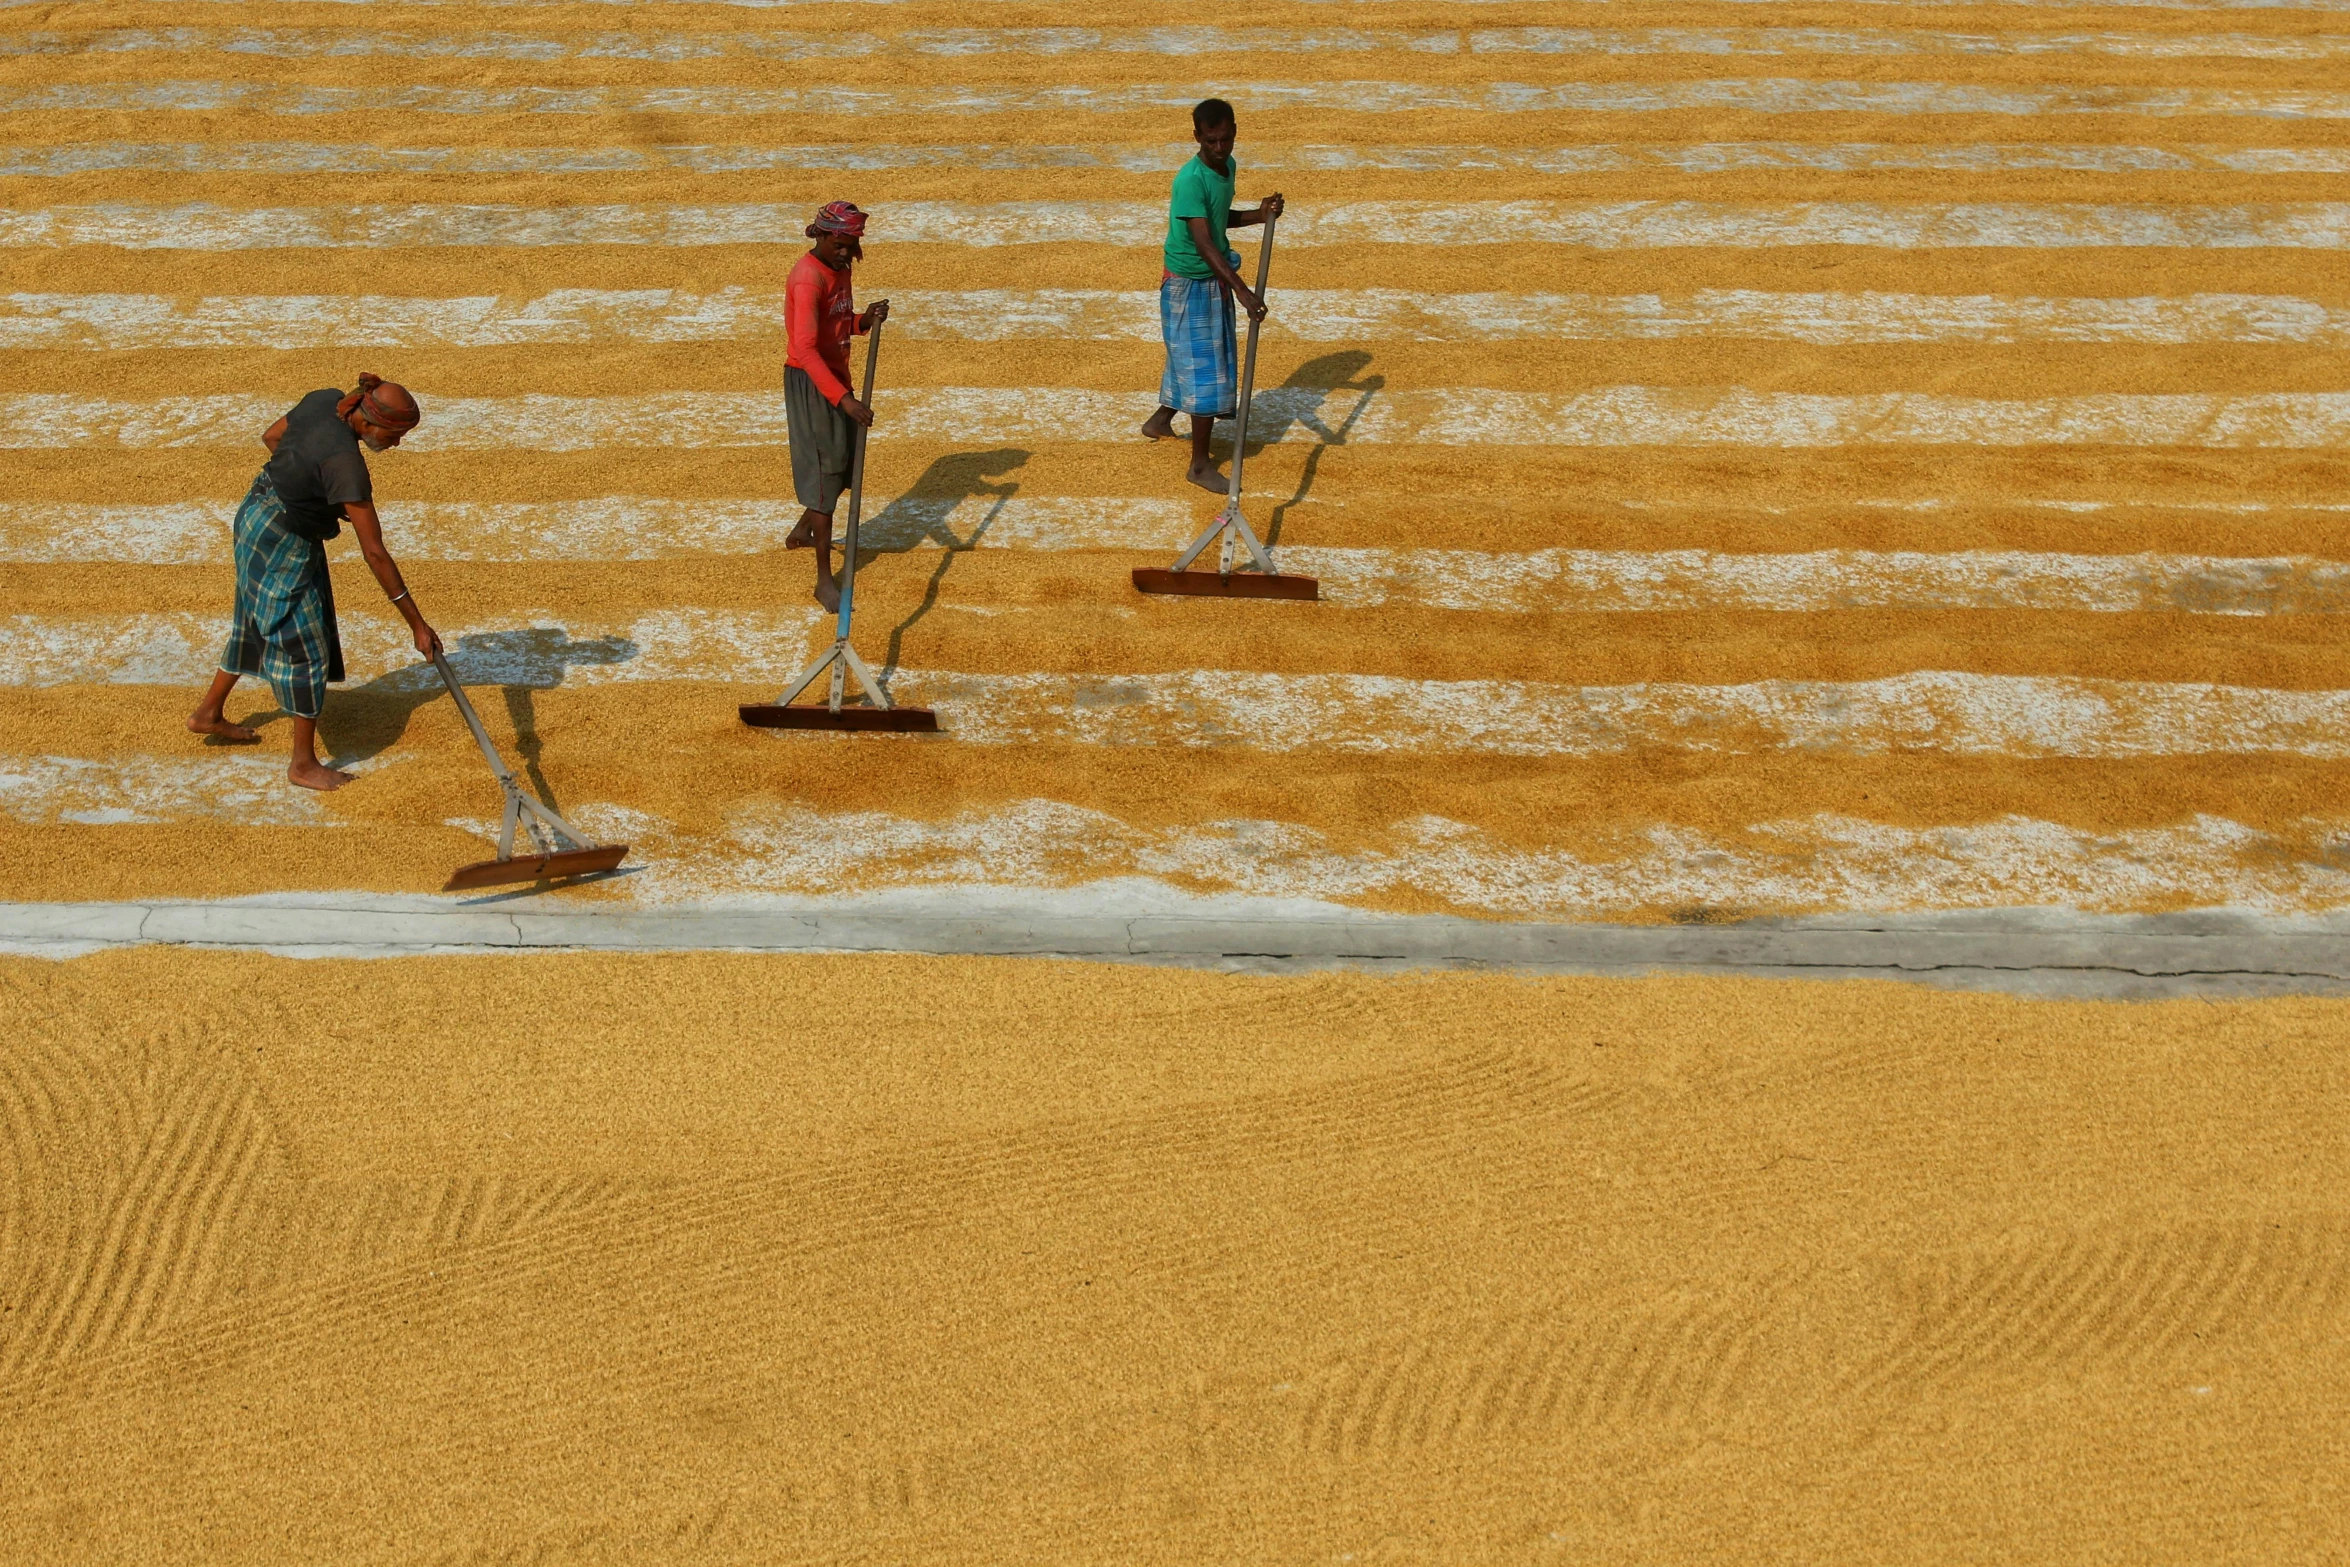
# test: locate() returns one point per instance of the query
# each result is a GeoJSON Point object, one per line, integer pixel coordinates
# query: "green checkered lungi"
{"type": "Point", "coordinates": [285, 630]}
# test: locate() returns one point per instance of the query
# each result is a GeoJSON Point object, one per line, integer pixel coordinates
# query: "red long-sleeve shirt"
{"type": "Point", "coordinates": [820, 316]}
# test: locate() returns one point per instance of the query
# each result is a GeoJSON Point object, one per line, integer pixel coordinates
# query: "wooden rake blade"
{"type": "Point", "coordinates": [1239, 585]}
{"type": "Point", "coordinates": [538, 867]}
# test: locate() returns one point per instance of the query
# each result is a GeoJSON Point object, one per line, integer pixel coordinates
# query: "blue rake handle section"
{"type": "Point", "coordinates": [848, 572]}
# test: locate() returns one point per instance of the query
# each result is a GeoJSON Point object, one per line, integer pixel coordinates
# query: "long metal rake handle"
{"type": "Point", "coordinates": [1248, 373]}
{"type": "Point", "coordinates": [848, 576]}
{"type": "Point", "coordinates": [518, 801]}
{"type": "Point", "coordinates": [481, 736]}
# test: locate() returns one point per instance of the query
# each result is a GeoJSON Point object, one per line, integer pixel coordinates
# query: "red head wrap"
{"type": "Point", "coordinates": [839, 217]}
{"type": "Point", "coordinates": [375, 411]}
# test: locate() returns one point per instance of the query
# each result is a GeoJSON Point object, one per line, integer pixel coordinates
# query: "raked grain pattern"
{"type": "Point", "coordinates": [1460, 1263]}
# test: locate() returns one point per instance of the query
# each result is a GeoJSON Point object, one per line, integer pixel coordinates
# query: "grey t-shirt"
{"type": "Point", "coordinates": [317, 467]}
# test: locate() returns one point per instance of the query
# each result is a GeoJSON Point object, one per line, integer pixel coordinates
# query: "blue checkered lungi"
{"type": "Point", "coordinates": [285, 629]}
{"type": "Point", "coordinates": [1196, 318]}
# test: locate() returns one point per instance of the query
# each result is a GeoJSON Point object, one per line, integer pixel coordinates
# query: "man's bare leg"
{"type": "Point", "coordinates": [1159, 426]}
{"type": "Point", "coordinates": [306, 769]}
{"type": "Point", "coordinates": [803, 533]}
{"type": "Point", "coordinates": [827, 587]}
{"type": "Point", "coordinates": [1203, 461]}
{"type": "Point", "coordinates": [207, 718]}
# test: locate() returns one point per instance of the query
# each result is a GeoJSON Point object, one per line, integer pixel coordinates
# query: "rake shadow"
{"type": "Point", "coordinates": [369, 719]}
{"type": "Point", "coordinates": [923, 514]}
{"type": "Point", "coordinates": [1300, 402]}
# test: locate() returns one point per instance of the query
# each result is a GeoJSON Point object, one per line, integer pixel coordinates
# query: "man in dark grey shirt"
{"type": "Point", "coordinates": [316, 466]}
{"type": "Point", "coordinates": [315, 480]}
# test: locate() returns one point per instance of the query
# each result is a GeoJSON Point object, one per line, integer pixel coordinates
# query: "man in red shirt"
{"type": "Point", "coordinates": [820, 412]}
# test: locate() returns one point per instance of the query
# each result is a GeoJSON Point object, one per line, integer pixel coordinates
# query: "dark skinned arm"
{"type": "Point", "coordinates": [1212, 253]}
{"type": "Point", "coordinates": [849, 403]}
{"type": "Point", "coordinates": [274, 434]}
{"type": "Point", "coordinates": [1270, 207]}
{"type": "Point", "coordinates": [369, 531]}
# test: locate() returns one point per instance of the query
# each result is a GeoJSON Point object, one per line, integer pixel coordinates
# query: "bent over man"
{"type": "Point", "coordinates": [821, 414]}
{"type": "Point", "coordinates": [314, 481]}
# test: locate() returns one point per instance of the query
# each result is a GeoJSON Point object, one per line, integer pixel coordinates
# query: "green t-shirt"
{"type": "Point", "coordinates": [1200, 192]}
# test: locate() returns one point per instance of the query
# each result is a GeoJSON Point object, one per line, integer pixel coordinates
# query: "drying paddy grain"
{"type": "Point", "coordinates": [684, 1259]}
{"type": "Point", "coordinates": [1899, 436]}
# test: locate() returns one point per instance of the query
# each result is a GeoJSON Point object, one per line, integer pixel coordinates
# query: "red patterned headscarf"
{"type": "Point", "coordinates": [376, 411]}
{"type": "Point", "coordinates": [839, 217]}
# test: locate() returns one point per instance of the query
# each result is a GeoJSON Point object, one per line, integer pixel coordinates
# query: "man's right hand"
{"type": "Point", "coordinates": [849, 405]}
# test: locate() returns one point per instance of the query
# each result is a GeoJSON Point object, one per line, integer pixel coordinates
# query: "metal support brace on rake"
{"type": "Point", "coordinates": [560, 849]}
{"type": "Point", "coordinates": [841, 659]}
{"type": "Point", "coordinates": [1230, 531]}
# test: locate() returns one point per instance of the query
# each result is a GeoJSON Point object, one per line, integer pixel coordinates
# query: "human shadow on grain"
{"type": "Point", "coordinates": [1302, 401]}
{"type": "Point", "coordinates": [369, 719]}
{"type": "Point", "coordinates": [924, 514]}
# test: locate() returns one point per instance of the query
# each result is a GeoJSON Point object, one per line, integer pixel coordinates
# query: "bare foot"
{"type": "Point", "coordinates": [828, 595]}
{"type": "Point", "coordinates": [310, 775]}
{"type": "Point", "coordinates": [802, 537]}
{"type": "Point", "coordinates": [198, 724]}
{"type": "Point", "coordinates": [1207, 478]}
{"type": "Point", "coordinates": [1158, 426]}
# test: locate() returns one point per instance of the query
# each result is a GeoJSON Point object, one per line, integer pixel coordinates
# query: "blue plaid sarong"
{"type": "Point", "coordinates": [1196, 318]}
{"type": "Point", "coordinates": [285, 628]}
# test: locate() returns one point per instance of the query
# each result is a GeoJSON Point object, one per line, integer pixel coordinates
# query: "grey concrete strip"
{"type": "Point", "coordinates": [2029, 951]}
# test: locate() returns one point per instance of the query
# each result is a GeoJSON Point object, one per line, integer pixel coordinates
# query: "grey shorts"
{"type": "Point", "coordinates": [823, 442]}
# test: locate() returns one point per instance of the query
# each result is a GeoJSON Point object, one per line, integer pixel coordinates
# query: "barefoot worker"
{"type": "Point", "coordinates": [1197, 288]}
{"type": "Point", "coordinates": [819, 411]}
{"type": "Point", "coordinates": [285, 628]}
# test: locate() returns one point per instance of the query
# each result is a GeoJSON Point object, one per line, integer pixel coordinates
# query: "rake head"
{"type": "Point", "coordinates": [538, 867]}
{"type": "Point", "coordinates": [894, 720]}
{"type": "Point", "coordinates": [1239, 585]}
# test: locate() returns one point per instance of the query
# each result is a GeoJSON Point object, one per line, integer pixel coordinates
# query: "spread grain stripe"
{"type": "Point", "coordinates": [1823, 862]}
{"type": "Point", "coordinates": [1768, 95]}
{"type": "Point", "coordinates": [2214, 6]}
{"type": "Point", "coordinates": [675, 47]}
{"type": "Point", "coordinates": [1557, 581]}
{"type": "Point", "coordinates": [2013, 716]}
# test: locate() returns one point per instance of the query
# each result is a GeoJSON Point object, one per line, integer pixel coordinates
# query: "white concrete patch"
{"type": "Point", "coordinates": [245, 788]}
{"type": "Point", "coordinates": [211, 158]}
{"type": "Point", "coordinates": [1613, 225]}
{"type": "Point", "coordinates": [1890, 43]}
{"type": "Point", "coordinates": [570, 316]}
{"type": "Point", "coordinates": [1456, 416]}
{"type": "Point", "coordinates": [173, 533]}
{"type": "Point", "coordinates": [1781, 95]}
{"type": "Point", "coordinates": [301, 43]}
{"type": "Point", "coordinates": [1820, 863]}
{"type": "Point", "coordinates": [1936, 711]}
{"type": "Point", "coordinates": [1946, 713]}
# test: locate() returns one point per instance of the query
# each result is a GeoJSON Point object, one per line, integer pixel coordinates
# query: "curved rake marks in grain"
{"type": "Point", "coordinates": [161, 1224]}
{"type": "Point", "coordinates": [628, 1245]}
{"type": "Point", "coordinates": [58, 1116]}
{"type": "Point", "coordinates": [143, 1184]}
{"type": "Point", "coordinates": [2110, 1304]}
{"type": "Point", "coordinates": [1530, 1379]}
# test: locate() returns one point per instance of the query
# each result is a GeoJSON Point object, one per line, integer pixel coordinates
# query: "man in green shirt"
{"type": "Point", "coordinates": [1197, 288]}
